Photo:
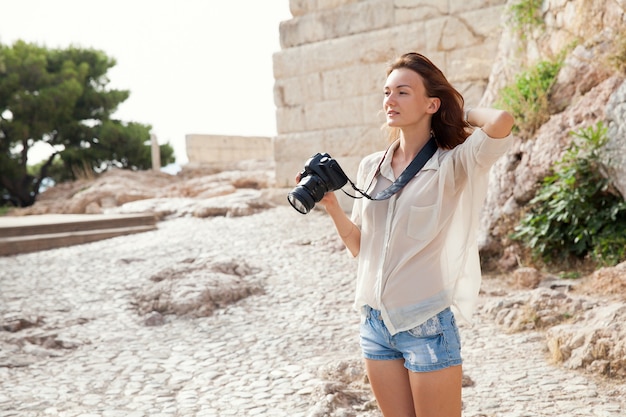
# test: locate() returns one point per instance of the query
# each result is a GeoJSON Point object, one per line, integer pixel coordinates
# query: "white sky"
{"type": "Point", "coordinates": [192, 66]}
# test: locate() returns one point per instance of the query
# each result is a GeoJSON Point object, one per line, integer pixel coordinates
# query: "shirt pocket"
{"type": "Point", "coordinates": [423, 222]}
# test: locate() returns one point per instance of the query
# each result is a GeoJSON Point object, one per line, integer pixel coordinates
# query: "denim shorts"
{"type": "Point", "coordinates": [431, 346]}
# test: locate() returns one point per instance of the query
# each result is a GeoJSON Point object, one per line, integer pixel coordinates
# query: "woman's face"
{"type": "Point", "coordinates": [406, 102]}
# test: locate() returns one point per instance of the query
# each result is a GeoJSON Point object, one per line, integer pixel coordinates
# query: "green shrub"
{"type": "Point", "coordinates": [577, 212]}
{"type": "Point", "coordinates": [525, 15]}
{"type": "Point", "coordinates": [527, 98]}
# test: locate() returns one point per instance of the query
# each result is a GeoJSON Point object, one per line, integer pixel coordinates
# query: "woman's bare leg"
{"type": "Point", "coordinates": [437, 393]}
{"type": "Point", "coordinates": [391, 386]}
{"type": "Point", "coordinates": [401, 393]}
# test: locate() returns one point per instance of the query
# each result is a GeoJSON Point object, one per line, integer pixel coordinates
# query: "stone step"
{"type": "Point", "coordinates": [60, 223]}
{"type": "Point", "coordinates": [35, 233]}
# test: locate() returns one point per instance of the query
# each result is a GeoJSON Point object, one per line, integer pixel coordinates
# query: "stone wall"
{"type": "Point", "coordinates": [331, 68]}
{"type": "Point", "coordinates": [220, 150]}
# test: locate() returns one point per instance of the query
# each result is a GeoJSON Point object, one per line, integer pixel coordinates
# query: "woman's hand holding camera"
{"type": "Point", "coordinates": [329, 199]}
{"type": "Point", "coordinates": [349, 233]}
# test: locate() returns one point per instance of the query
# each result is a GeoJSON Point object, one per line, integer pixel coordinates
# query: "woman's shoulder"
{"type": "Point", "coordinates": [480, 148]}
{"type": "Point", "coordinates": [475, 139]}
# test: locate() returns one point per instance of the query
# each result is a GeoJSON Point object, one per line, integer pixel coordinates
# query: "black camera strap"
{"type": "Point", "coordinates": [427, 151]}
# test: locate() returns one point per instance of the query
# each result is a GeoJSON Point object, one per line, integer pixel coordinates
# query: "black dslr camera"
{"type": "Point", "coordinates": [321, 174]}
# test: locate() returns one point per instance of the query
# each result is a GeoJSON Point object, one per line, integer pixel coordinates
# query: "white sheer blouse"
{"type": "Point", "coordinates": [418, 252]}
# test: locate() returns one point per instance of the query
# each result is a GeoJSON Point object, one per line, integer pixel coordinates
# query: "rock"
{"type": "Point", "coordinates": [154, 318]}
{"type": "Point", "coordinates": [615, 155]}
{"type": "Point", "coordinates": [93, 208]}
{"type": "Point", "coordinates": [580, 73]}
{"type": "Point", "coordinates": [198, 289]}
{"type": "Point", "coordinates": [15, 325]}
{"type": "Point", "coordinates": [595, 342]}
{"type": "Point", "coordinates": [527, 277]}
{"type": "Point", "coordinates": [536, 309]}
{"type": "Point", "coordinates": [207, 193]}
{"type": "Point", "coordinates": [467, 381]}
{"type": "Point", "coordinates": [344, 389]}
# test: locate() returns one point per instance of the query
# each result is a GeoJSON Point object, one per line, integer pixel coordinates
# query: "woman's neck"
{"type": "Point", "coordinates": [411, 142]}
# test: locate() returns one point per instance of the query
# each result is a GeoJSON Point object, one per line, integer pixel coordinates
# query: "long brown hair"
{"type": "Point", "coordinates": [447, 123]}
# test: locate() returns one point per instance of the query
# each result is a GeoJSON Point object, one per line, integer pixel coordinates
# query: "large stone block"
{"type": "Point", "coordinates": [471, 63]}
{"type": "Point", "coordinates": [357, 141]}
{"type": "Point", "coordinates": [217, 149]}
{"type": "Point", "coordinates": [439, 58]}
{"type": "Point", "coordinates": [372, 47]}
{"type": "Point", "coordinates": [487, 22]}
{"type": "Point", "coordinates": [333, 4]}
{"type": "Point", "coordinates": [301, 7]}
{"type": "Point", "coordinates": [409, 11]}
{"type": "Point", "coordinates": [373, 108]}
{"type": "Point", "coordinates": [290, 119]}
{"type": "Point", "coordinates": [293, 150]}
{"type": "Point", "coordinates": [442, 6]}
{"type": "Point", "coordinates": [406, 38]}
{"type": "Point", "coordinates": [465, 5]}
{"type": "Point", "coordinates": [451, 33]}
{"type": "Point", "coordinates": [337, 22]}
{"type": "Point", "coordinates": [298, 146]}
{"type": "Point", "coordinates": [298, 90]}
{"type": "Point", "coordinates": [352, 81]}
{"type": "Point", "coordinates": [291, 153]}
{"type": "Point", "coordinates": [334, 113]}
{"type": "Point", "coordinates": [302, 30]}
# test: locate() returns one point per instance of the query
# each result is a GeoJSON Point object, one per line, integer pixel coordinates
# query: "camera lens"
{"type": "Point", "coordinates": [301, 200]}
{"type": "Point", "coordinates": [309, 191]}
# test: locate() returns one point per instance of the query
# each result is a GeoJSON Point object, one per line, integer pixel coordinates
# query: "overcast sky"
{"type": "Point", "coordinates": [192, 66]}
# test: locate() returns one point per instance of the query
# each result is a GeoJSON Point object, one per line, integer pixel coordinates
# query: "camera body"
{"type": "Point", "coordinates": [321, 174]}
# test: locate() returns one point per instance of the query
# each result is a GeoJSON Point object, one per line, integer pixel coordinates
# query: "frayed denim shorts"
{"type": "Point", "coordinates": [431, 346]}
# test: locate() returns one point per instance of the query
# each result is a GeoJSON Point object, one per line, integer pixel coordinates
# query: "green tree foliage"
{"type": "Point", "coordinates": [577, 211]}
{"type": "Point", "coordinates": [60, 97]}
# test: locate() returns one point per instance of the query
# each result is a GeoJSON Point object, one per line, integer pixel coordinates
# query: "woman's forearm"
{"type": "Point", "coordinates": [349, 233]}
{"type": "Point", "coordinates": [495, 123]}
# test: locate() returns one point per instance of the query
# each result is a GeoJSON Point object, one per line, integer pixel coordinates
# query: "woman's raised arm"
{"type": "Point", "coordinates": [495, 123]}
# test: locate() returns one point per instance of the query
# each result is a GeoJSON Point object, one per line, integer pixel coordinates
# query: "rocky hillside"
{"type": "Point", "coordinates": [588, 39]}
{"type": "Point", "coordinates": [583, 318]}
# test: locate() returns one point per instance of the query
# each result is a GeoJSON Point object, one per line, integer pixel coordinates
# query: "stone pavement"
{"type": "Point", "coordinates": [291, 351]}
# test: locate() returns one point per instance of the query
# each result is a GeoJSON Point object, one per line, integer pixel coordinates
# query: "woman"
{"type": "Point", "coordinates": [417, 250]}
